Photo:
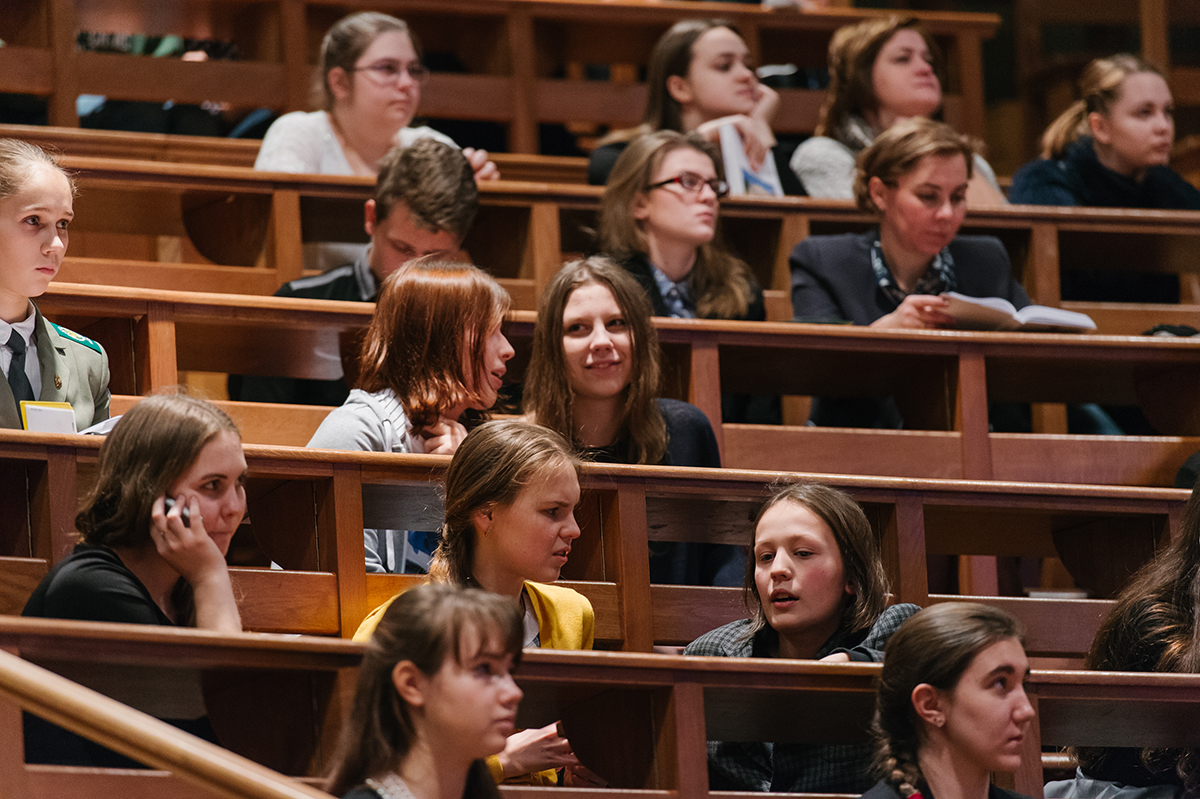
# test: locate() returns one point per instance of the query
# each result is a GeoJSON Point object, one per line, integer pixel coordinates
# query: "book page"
{"type": "Point", "coordinates": [741, 178]}
{"type": "Point", "coordinates": [48, 417]}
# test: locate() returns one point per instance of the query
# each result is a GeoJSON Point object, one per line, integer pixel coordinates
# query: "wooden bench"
{"type": "Point", "coordinates": [166, 225]}
{"type": "Point", "coordinates": [152, 335]}
{"type": "Point", "coordinates": [308, 509]}
{"type": "Point", "coordinates": [639, 720]}
{"type": "Point", "coordinates": [519, 56]}
{"type": "Point", "coordinates": [213, 151]}
{"type": "Point", "coordinates": [270, 697]}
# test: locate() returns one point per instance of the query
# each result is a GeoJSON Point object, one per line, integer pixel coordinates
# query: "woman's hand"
{"type": "Point", "coordinates": [580, 776]}
{"type": "Point", "coordinates": [836, 657]}
{"type": "Point", "coordinates": [918, 312]}
{"type": "Point", "coordinates": [443, 436]}
{"type": "Point", "coordinates": [484, 168]}
{"type": "Point", "coordinates": [189, 550]}
{"type": "Point", "coordinates": [756, 135]}
{"type": "Point", "coordinates": [536, 750]}
{"type": "Point", "coordinates": [766, 106]}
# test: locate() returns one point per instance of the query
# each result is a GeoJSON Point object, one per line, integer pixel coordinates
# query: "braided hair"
{"type": "Point", "coordinates": [934, 647]}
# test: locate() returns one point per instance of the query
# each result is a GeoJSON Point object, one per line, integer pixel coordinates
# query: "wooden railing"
{"type": "Point", "coordinates": [640, 721]}
{"type": "Point", "coordinates": [523, 59]}
{"type": "Point", "coordinates": [212, 151]}
{"type": "Point", "coordinates": [129, 732]}
{"type": "Point", "coordinates": [308, 509]}
{"type": "Point", "coordinates": [166, 225]}
{"type": "Point", "coordinates": [942, 380]}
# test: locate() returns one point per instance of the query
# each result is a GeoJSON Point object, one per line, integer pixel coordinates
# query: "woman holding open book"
{"type": "Point", "coordinates": [915, 176]}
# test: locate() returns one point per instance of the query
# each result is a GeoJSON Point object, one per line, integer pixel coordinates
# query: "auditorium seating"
{"type": "Point", "coordinates": [307, 510]}
{"type": "Point", "coordinates": [162, 213]}
{"type": "Point", "coordinates": [641, 721]}
{"type": "Point", "coordinates": [163, 225]}
{"type": "Point", "coordinates": [127, 145]}
{"type": "Point", "coordinates": [517, 55]}
{"type": "Point", "coordinates": [943, 379]}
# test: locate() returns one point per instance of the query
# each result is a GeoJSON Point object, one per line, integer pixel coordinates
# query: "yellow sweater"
{"type": "Point", "coordinates": [565, 620]}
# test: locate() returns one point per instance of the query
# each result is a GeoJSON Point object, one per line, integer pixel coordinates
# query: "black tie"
{"type": "Point", "coordinates": [18, 381]}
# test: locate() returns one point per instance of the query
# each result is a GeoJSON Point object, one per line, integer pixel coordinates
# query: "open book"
{"type": "Point", "coordinates": [994, 313]}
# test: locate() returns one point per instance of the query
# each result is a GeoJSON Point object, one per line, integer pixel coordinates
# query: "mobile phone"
{"type": "Point", "coordinates": [184, 515]}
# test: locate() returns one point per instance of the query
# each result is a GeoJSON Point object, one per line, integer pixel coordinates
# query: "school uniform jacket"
{"type": "Point", "coordinates": [74, 370]}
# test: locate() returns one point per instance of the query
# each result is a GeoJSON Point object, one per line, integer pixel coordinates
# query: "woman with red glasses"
{"type": "Point", "coordinates": [658, 219]}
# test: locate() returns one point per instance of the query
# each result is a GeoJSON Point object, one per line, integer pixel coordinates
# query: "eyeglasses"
{"type": "Point", "coordinates": [389, 71]}
{"type": "Point", "coordinates": [691, 182]}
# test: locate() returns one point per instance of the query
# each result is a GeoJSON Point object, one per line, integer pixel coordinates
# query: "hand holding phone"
{"type": "Point", "coordinates": [184, 515]}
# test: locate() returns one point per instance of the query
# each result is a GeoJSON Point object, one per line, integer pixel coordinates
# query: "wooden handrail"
{"type": "Point", "coordinates": [142, 737]}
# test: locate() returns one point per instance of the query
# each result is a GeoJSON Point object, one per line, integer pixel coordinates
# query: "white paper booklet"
{"type": "Point", "coordinates": [741, 178]}
{"type": "Point", "coordinates": [995, 313]}
{"type": "Point", "coordinates": [48, 417]}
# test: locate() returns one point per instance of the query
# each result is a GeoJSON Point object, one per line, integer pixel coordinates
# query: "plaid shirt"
{"type": "Point", "coordinates": [798, 768]}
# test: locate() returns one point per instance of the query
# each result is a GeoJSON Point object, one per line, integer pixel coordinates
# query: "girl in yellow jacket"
{"type": "Point", "coordinates": [511, 492]}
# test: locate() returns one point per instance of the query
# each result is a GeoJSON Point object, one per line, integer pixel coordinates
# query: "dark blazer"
{"type": "Point", "coordinates": [832, 281]}
{"type": "Point", "coordinates": [832, 278]}
{"type": "Point", "coordinates": [642, 272]}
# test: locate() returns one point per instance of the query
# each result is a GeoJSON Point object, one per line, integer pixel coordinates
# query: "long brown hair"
{"type": "Point", "coordinates": [1153, 627]}
{"type": "Point", "coordinates": [1099, 87]}
{"type": "Point", "coordinates": [936, 646]}
{"type": "Point", "coordinates": [856, 542]}
{"type": "Point", "coordinates": [672, 55]}
{"type": "Point", "coordinates": [432, 319]}
{"type": "Point", "coordinates": [424, 626]}
{"type": "Point", "coordinates": [720, 282]}
{"type": "Point", "coordinates": [548, 396]}
{"type": "Point", "coordinates": [852, 53]}
{"type": "Point", "coordinates": [150, 448]}
{"type": "Point", "coordinates": [494, 463]}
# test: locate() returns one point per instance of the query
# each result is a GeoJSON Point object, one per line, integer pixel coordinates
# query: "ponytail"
{"type": "Point", "coordinates": [1099, 87]}
{"type": "Point", "coordinates": [1069, 126]}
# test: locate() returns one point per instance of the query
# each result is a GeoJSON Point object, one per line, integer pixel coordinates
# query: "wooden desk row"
{"type": "Point", "coordinates": [307, 510]}
{"type": "Point", "coordinates": [522, 60]}
{"type": "Point", "coordinates": [213, 151]}
{"type": "Point", "coordinates": [166, 225]}
{"type": "Point", "coordinates": [640, 721]}
{"type": "Point", "coordinates": [942, 380]}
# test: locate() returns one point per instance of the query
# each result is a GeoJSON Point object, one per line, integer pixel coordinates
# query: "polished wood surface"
{"type": "Point", "coordinates": [518, 56]}
{"type": "Point", "coordinates": [231, 229]}
{"type": "Point", "coordinates": [308, 509]}
{"type": "Point", "coordinates": [153, 335]}
{"type": "Point", "coordinates": [641, 721]}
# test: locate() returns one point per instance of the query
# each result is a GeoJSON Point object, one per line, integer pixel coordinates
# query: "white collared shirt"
{"type": "Point", "coordinates": [33, 369]}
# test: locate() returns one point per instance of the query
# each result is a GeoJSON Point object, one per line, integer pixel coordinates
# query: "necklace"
{"type": "Point", "coordinates": [390, 787]}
